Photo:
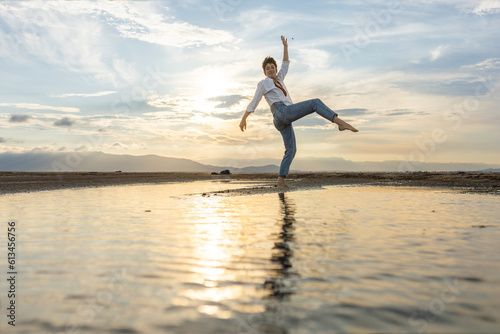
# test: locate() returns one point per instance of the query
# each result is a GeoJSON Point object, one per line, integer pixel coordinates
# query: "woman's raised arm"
{"type": "Point", "coordinates": [285, 48]}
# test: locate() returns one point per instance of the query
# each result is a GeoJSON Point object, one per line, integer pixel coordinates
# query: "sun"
{"type": "Point", "coordinates": [214, 83]}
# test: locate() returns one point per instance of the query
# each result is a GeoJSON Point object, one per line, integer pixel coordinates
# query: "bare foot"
{"type": "Point", "coordinates": [343, 125]}
{"type": "Point", "coordinates": [281, 183]}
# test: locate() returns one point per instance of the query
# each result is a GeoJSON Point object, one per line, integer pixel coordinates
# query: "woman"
{"type": "Point", "coordinates": [284, 110]}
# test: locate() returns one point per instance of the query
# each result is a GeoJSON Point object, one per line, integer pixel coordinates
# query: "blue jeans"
{"type": "Point", "coordinates": [284, 115]}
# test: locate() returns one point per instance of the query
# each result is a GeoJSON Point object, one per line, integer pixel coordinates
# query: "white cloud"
{"type": "Point", "coordinates": [39, 32]}
{"type": "Point", "coordinates": [488, 64]}
{"type": "Point", "coordinates": [176, 34]}
{"type": "Point", "coordinates": [437, 53]}
{"type": "Point", "coordinates": [314, 58]}
{"type": "Point", "coordinates": [36, 106]}
{"type": "Point", "coordinates": [81, 36]}
{"type": "Point", "coordinates": [143, 21]}
{"type": "Point", "coordinates": [480, 7]}
{"type": "Point", "coordinates": [104, 93]}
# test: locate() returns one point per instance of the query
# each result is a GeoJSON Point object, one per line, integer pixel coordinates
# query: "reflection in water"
{"type": "Point", "coordinates": [279, 284]}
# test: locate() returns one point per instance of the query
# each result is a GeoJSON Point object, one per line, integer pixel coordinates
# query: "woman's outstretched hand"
{"type": "Point", "coordinates": [243, 125]}
{"type": "Point", "coordinates": [285, 48]}
{"type": "Point", "coordinates": [284, 40]}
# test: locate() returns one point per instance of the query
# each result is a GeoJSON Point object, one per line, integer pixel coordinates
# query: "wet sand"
{"type": "Point", "coordinates": [16, 182]}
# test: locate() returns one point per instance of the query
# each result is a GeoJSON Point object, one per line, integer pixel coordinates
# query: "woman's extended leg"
{"type": "Point", "coordinates": [290, 150]}
{"type": "Point", "coordinates": [296, 111]}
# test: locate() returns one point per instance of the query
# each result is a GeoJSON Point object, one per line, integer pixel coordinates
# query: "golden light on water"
{"type": "Point", "coordinates": [214, 251]}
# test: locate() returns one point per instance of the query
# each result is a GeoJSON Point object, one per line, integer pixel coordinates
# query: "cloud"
{"type": "Point", "coordinates": [227, 100]}
{"type": "Point", "coordinates": [36, 106]}
{"type": "Point", "coordinates": [227, 116]}
{"type": "Point", "coordinates": [19, 118]}
{"type": "Point", "coordinates": [480, 7]}
{"type": "Point", "coordinates": [146, 22]}
{"type": "Point", "coordinates": [219, 139]}
{"type": "Point", "coordinates": [41, 149]}
{"type": "Point", "coordinates": [65, 121]}
{"type": "Point", "coordinates": [104, 93]}
{"type": "Point", "coordinates": [315, 59]}
{"type": "Point", "coordinates": [176, 34]}
{"type": "Point", "coordinates": [400, 112]}
{"type": "Point", "coordinates": [87, 37]}
{"type": "Point", "coordinates": [488, 64]}
{"type": "Point", "coordinates": [437, 53]}
{"type": "Point", "coordinates": [352, 111]}
{"type": "Point", "coordinates": [43, 34]}
{"type": "Point", "coordinates": [119, 145]}
{"type": "Point", "coordinates": [323, 127]}
{"type": "Point", "coordinates": [3, 140]}
{"type": "Point", "coordinates": [168, 101]}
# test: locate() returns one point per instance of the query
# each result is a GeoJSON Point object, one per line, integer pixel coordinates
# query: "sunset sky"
{"type": "Point", "coordinates": [419, 79]}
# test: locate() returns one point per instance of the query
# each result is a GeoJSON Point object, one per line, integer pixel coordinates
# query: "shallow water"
{"type": "Point", "coordinates": [152, 259]}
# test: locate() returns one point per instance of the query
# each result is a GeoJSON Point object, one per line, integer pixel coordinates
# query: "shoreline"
{"type": "Point", "coordinates": [22, 182]}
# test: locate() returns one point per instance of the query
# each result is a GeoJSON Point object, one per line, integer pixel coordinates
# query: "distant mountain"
{"type": "Point", "coordinates": [97, 162]}
{"type": "Point", "coordinates": [333, 164]}
{"type": "Point", "coordinates": [490, 170]}
{"type": "Point", "coordinates": [339, 164]}
{"type": "Point", "coordinates": [101, 162]}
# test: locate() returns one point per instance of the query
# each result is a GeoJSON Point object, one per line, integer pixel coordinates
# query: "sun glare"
{"type": "Point", "coordinates": [213, 84]}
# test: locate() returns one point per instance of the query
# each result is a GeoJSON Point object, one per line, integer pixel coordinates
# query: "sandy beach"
{"type": "Point", "coordinates": [16, 182]}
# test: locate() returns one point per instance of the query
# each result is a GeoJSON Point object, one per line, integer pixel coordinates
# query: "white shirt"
{"type": "Point", "coordinates": [272, 93]}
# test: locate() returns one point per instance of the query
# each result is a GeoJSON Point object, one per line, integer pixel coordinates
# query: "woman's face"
{"type": "Point", "coordinates": [270, 70]}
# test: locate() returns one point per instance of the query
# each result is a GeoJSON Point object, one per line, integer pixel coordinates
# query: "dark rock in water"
{"type": "Point", "coordinates": [225, 172]}
{"type": "Point", "coordinates": [214, 173]}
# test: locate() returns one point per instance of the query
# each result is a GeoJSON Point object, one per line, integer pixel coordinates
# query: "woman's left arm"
{"type": "Point", "coordinates": [285, 48]}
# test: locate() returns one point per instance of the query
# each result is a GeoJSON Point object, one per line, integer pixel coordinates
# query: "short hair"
{"type": "Point", "coordinates": [269, 60]}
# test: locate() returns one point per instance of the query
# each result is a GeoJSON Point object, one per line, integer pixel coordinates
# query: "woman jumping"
{"type": "Point", "coordinates": [284, 110]}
